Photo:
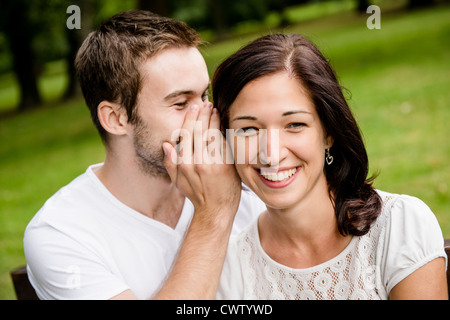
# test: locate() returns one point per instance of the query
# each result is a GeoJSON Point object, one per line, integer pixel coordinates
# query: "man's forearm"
{"type": "Point", "coordinates": [197, 269]}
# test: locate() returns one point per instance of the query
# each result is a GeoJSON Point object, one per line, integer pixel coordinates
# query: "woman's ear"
{"type": "Point", "coordinates": [329, 141]}
{"type": "Point", "coordinates": [112, 117]}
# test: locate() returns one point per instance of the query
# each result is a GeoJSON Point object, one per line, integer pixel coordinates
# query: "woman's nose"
{"type": "Point", "coordinates": [271, 152]}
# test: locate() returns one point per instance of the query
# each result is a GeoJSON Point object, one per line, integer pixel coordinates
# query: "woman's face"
{"type": "Point", "coordinates": [279, 142]}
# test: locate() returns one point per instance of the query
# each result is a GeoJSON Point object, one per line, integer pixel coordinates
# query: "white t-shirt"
{"type": "Point", "coordinates": [86, 244]}
{"type": "Point", "coordinates": [404, 237]}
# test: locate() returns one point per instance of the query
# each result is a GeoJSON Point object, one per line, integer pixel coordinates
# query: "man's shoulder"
{"type": "Point", "coordinates": [76, 196]}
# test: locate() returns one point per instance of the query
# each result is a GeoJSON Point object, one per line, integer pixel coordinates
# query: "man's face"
{"type": "Point", "coordinates": [172, 81]}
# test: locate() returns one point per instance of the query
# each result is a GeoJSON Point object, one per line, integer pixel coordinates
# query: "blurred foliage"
{"type": "Point", "coordinates": [47, 24]}
{"type": "Point", "coordinates": [42, 25]}
{"type": "Point", "coordinates": [47, 18]}
{"type": "Point", "coordinates": [398, 77]}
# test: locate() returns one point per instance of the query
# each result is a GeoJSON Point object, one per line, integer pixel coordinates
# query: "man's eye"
{"type": "Point", "coordinates": [246, 132]}
{"type": "Point", "coordinates": [181, 104]}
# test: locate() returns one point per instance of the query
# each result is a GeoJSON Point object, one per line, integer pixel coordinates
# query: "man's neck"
{"type": "Point", "coordinates": [155, 197]}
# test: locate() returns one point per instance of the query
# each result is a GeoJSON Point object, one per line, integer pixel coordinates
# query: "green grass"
{"type": "Point", "coordinates": [40, 152]}
{"type": "Point", "coordinates": [51, 84]}
{"type": "Point", "coordinates": [399, 81]}
{"type": "Point", "coordinates": [399, 78]}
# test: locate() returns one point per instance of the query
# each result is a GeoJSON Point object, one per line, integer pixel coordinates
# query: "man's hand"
{"type": "Point", "coordinates": [196, 168]}
{"type": "Point", "coordinates": [214, 188]}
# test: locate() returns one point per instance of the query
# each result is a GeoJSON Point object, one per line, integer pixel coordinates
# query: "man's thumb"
{"type": "Point", "coordinates": [170, 160]}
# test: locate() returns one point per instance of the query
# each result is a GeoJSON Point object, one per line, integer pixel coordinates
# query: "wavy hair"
{"type": "Point", "coordinates": [356, 203]}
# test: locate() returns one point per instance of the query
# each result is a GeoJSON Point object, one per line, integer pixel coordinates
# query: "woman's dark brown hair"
{"type": "Point", "coordinates": [356, 203]}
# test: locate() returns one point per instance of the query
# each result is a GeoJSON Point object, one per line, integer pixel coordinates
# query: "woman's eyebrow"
{"type": "Point", "coordinates": [285, 114]}
{"type": "Point", "coordinates": [288, 113]}
{"type": "Point", "coordinates": [244, 118]}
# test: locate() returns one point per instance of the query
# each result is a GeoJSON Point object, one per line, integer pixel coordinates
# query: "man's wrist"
{"type": "Point", "coordinates": [217, 219]}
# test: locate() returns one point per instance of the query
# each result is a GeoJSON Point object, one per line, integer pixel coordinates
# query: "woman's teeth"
{"type": "Point", "coordinates": [278, 176]}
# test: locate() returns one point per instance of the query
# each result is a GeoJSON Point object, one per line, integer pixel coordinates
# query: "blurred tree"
{"type": "Point", "coordinates": [413, 4]}
{"type": "Point", "coordinates": [218, 18]}
{"type": "Point", "coordinates": [35, 32]}
{"type": "Point", "coordinates": [280, 7]}
{"type": "Point", "coordinates": [161, 7]}
{"type": "Point", "coordinates": [362, 6]}
{"type": "Point", "coordinates": [20, 31]}
{"type": "Point", "coordinates": [75, 38]}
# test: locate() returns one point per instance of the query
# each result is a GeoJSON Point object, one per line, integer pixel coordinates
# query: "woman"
{"type": "Point", "coordinates": [326, 233]}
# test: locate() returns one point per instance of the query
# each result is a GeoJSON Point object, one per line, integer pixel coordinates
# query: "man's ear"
{"type": "Point", "coordinates": [112, 117]}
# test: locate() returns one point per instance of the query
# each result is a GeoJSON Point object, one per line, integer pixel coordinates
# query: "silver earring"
{"type": "Point", "coordinates": [328, 157]}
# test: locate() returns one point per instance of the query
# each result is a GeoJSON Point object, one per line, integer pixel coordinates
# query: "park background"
{"type": "Point", "coordinates": [398, 81]}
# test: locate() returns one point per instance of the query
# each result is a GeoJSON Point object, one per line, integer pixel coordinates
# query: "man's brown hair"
{"type": "Point", "coordinates": [108, 61]}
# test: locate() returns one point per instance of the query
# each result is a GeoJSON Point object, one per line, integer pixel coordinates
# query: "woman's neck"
{"type": "Point", "coordinates": [304, 235]}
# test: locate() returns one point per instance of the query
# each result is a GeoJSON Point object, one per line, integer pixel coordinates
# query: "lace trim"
{"type": "Point", "coordinates": [352, 274]}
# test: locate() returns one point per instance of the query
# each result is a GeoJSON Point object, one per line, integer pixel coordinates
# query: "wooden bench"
{"type": "Point", "coordinates": [447, 251]}
{"type": "Point", "coordinates": [24, 290]}
{"type": "Point", "coordinates": [22, 286]}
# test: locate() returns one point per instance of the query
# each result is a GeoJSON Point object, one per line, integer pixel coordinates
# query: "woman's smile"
{"type": "Point", "coordinates": [279, 178]}
{"type": "Point", "coordinates": [289, 167]}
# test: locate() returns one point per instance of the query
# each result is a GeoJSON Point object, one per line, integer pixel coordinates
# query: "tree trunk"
{"type": "Point", "coordinates": [19, 32]}
{"type": "Point", "coordinates": [219, 18]}
{"type": "Point", "coordinates": [161, 7]}
{"type": "Point", "coordinates": [362, 6]}
{"type": "Point", "coordinates": [415, 4]}
{"type": "Point", "coordinates": [75, 38]}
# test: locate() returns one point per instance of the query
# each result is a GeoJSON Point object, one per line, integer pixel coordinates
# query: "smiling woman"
{"type": "Point", "coordinates": [304, 80]}
{"type": "Point", "coordinates": [326, 233]}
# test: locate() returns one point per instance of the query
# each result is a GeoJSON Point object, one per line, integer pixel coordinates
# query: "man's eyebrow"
{"type": "Point", "coordinates": [178, 93]}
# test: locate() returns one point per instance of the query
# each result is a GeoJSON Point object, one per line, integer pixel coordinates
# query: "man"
{"type": "Point", "coordinates": [123, 230]}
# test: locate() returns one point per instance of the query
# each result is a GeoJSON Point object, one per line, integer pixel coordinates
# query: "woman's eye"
{"type": "Point", "coordinates": [246, 132]}
{"type": "Point", "coordinates": [296, 125]}
{"type": "Point", "coordinates": [205, 96]}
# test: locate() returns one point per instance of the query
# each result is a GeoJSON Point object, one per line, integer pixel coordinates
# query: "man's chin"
{"type": "Point", "coordinates": [154, 170]}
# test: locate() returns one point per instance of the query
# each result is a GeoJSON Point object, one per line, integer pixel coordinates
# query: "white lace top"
{"type": "Point", "coordinates": [405, 236]}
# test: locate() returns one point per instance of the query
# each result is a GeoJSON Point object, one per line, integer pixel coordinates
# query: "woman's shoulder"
{"type": "Point", "coordinates": [388, 197]}
{"type": "Point", "coordinates": [409, 236]}
{"type": "Point", "coordinates": [404, 207]}
{"type": "Point", "coordinates": [404, 215]}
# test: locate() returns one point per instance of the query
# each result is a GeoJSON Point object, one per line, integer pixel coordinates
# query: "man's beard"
{"type": "Point", "coordinates": [149, 153]}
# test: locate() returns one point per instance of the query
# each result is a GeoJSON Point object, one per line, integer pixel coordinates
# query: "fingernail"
{"type": "Point", "coordinates": [215, 111]}
{"type": "Point", "coordinates": [164, 149]}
